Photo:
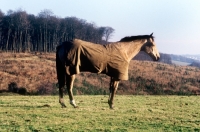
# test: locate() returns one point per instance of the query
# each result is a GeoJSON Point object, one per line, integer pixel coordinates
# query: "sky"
{"type": "Point", "coordinates": [175, 23]}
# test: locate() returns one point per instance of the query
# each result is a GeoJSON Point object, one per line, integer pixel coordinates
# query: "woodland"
{"type": "Point", "coordinates": [23, 32]}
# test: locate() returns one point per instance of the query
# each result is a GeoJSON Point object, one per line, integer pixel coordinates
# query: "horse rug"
{"type": "Point", "coordinates": [107, 59]}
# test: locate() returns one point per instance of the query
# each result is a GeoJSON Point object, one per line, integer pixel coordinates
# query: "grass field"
{"type": "Point", "coordinates": [132, 113]}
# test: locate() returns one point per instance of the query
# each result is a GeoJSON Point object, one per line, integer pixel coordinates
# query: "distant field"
{"type": "Point", "coordinates": [132, 113]}
{"type": "Point", "coordinates": [180, 63]}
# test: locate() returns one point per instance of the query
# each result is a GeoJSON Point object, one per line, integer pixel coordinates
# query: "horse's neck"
{"type": "Point", "coordinates": [131, 49]}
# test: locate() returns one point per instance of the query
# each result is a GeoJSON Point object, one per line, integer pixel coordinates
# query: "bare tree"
{"type": "Point", "coordinates": [108, 32]}
{"type": "Point", "coordinates": [45, 18]}
{"type": "Point", "coordinates": [19, 31]}
{"type": "Point", "coordinates": [1, 23]}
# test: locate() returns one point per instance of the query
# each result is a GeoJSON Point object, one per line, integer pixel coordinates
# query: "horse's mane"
{"type": "Point", "coordinates": [132, 38]}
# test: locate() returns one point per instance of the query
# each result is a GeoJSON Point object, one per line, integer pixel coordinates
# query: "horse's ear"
{"type": "Point", "coordinates": [151, 34]}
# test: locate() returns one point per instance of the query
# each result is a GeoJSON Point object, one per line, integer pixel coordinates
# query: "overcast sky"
{"type": "Point", "coordinates": [175, 23]}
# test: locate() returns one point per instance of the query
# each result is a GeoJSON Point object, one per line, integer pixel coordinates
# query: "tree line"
{"type": "Point", "coordinates": [23, 32]}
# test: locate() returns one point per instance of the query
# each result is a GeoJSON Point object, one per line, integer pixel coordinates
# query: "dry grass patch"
{"type": "Point", "coordinates": [36, 71]}
{"type": "Point", "coordinates": [28, 71]}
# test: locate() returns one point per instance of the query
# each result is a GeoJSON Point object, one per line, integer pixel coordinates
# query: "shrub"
{"type": "Point", "coordinates": [12, 87]}
{"type": "Point", "coordinates": [22, 91]}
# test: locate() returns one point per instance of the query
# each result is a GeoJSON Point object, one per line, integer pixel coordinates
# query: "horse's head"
{"type": "Point", "coordinates": [150, 48]}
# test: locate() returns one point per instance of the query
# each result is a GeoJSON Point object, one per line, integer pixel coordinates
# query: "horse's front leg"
{"type": "Point", "coordinates": [113, 88]}
{"type": "Point", "coordinates": [70, 82]}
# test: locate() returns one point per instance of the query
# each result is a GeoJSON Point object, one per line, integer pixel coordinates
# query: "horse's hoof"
{"type": "Point", "coordinates": [61, 101]}
{"type": "Point", "coordinates": [72, 102]}
{"type": "Point", "coordinates": [76, 107]}
{"type": "Point", "coordinates": [63, 106]}
{"type": "Point", "coordinates": [110, 105]}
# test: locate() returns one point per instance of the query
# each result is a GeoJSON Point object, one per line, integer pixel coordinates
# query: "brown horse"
{"type": "Point", "coordinates": [73, 57]}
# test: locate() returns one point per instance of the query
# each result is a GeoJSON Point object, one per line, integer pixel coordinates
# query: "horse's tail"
{"type": "Point", "coordinates": [60, 68]}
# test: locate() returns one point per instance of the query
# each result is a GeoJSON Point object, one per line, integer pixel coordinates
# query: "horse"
{"type": "Point", "coordinates": [73, 57]}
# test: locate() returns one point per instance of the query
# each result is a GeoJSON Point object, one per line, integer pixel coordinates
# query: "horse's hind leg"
{"type": "Point", "coordinates": [61, 101]}
{"type": "Point", "coordinates": [113, 88]}
{"type": "Point", "coordinates": [60, 68]}
{"type": "Point", "coordinates": [61, 82]}
{"type": "Point", "coordinates": [70, 81]}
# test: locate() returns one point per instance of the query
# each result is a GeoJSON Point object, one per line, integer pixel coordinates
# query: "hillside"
{"type": "Point", "coordinates": [36, 72]}
{"type": "Point", "coordinates": [142, 56]}
{"type": "Point", "coordinates": [195, 63]}
{"type": "Point", "coordinates": [195, 57]}
{"type": "Point", "coordinates": [184, 58]}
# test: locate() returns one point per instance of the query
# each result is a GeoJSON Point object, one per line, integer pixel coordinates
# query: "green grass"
{"type": "Point", "coordinates": [131, 113]}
